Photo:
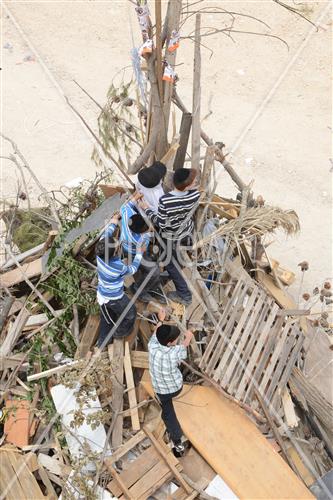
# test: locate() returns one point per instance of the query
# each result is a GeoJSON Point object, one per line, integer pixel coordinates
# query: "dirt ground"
{"type": "Point", "coordinates": [270, 104]}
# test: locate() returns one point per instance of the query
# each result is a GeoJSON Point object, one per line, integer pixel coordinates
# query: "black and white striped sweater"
{"type": "Point", "coordinates": [175, 213]}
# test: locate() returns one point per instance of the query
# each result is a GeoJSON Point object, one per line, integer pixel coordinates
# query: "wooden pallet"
{"type": "Point", "coordinates": [16, 480]}
{"type": "Point", "coordinates": [253, 344]}
{"type": "Point", "coordinates": [147, 473]}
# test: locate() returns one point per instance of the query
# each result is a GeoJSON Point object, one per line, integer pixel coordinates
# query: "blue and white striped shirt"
{"type": "Point", "coordinates": [111, 274]}
{"type": "Point", "coordinates": [130, 240]}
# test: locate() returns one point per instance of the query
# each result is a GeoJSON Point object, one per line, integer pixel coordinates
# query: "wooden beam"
{"type": "Point", "coordinates": [294, 312]}
{"type": "Point", "coordinates": [158, 15]}
{"type": "Point", "coordinates": [172, 21]}
{"type": "Point", "coordinates": [274, 430]}
{"type": "Point", "coordinates": [159, 448]}
{"type": "Point", "coordinates": [184, 132]}
{"type": "Point", "coordinates": [196, 127]}
{"type": "Point", "coordinates": [52, 371]}
{"type": "Point", "coordinates": [120, 483]}
{"type": "Point", "coordinates": [207, 170]}
{"type": "Point", "coordinates": [14, 332]}
{"type": "Point", "coordinates": [88, 337]}
{"type": "Point", "coordinates": [118, 454]}
{"type": "Point", "coordinates": [139, 359]}
{"type": "Point", "coordinates": [5, 307]}
{"type": "Point", "coordinates": [131, 389]}
{"type": "Point", "coordinates": [117, 378]}
{"type": "Point", "coordinates": [15, 276]}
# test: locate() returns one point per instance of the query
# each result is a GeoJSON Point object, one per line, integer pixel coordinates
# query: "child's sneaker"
{"type": "Point", "coordinates": [178, 449]}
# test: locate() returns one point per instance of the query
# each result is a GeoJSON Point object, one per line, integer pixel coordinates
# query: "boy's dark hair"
{"type": "Point", "coordinates": [167, 333]}
{"type": "Point", "coordinates": [137, 224]}
{"type": "Point", "coordinates": [106, 248]}
{"type": "Point", "coordinates": [152, 176]}
{"type": "Point", "coordinates": [184, 177]}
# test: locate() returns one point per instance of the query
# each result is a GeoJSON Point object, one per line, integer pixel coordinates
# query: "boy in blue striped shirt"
{"type": "Point", "coordinates": [134, 233]}
{"type": "Point", "coordinates": [111, 297]}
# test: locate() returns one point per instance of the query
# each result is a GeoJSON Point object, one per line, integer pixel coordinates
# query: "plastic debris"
{"type": "Point", "coordinates": [174, 41]}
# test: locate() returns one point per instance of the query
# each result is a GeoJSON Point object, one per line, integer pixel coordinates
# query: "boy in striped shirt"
{"type": "Point", "coordinates": [174, 219]}
{"type": "Point", "coordinates": [111, 297]}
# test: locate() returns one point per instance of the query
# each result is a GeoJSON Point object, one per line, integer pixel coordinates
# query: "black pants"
{"type": "Point", "coordinates": [169, 416]}
{"type": "Point", "coordinates": [110, 312]}
{"type": "Point", "coordinates": [173, 267]}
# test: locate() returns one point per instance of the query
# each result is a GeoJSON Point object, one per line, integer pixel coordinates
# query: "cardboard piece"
{"type": "Point", "coordinates": [17, 422]}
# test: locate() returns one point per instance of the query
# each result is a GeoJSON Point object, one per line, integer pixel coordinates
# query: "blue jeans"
{"type": "Point", "coordinates": [110, 312]}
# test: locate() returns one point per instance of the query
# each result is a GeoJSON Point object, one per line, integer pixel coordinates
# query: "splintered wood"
{"type": "Point", "coordinates": [253, 345]}
{"type": "Point", "coordinates": [148, 472]}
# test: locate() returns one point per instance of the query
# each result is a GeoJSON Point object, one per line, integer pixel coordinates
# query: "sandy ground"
{"type": "Point", "coordinates": [270, 105]}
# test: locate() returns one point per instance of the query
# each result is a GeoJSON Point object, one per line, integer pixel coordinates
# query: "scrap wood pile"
{"type": "Point", "coordinates": [78, 422]}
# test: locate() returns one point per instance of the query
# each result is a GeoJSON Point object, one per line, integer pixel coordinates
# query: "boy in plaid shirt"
{"type": "Point", "coordinates": [167, 380]}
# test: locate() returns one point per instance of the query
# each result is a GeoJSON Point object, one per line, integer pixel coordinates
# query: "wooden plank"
{"type": "Point", "coordinates": [230, 358]}
{"type": "Point", "coordinates": [14, 332]}
{"type": "Point", "coordinates": [140, 359]}
{"type": "Point", "coordinates": [52, 371]}
{"type": "Point", "coordinates": [259, 371]}
{"type": "Point", "coordinates": [10, 487]}
{"type": "Point", "coordinates": [289, 409]}
{"type": "Point", "coordinates": [307, 476]}
{"type": "Point", "coordinates": [131, 389]}
{"type": "Point", "coordinates": [39, 319]}
{"type": "Point", "coordinates": [280, 296]}
{"type": "Point", "coordinates": [294, 312]}
{"type": "Point", "coordinates": [89, 336]}
{"type": "Point", "coordinates": [51, 493]}
{"type": "Point", "coordinates": [196, 100]}
{"type": "Point", "coordinates": [184, 132]}
{"type": "Point", "coordinates": [236, 304]}
{"type": "Point", "coordinates": [253, 360]}
{"type": "Point", "coordinates": [285, 367]}
{"type": "Point", "coordinates": [13, 361]}
{"type": "Point", "coordinates": [26, 478]}
{"type": "Point", "coordinates": [280, 341]}
{"type": "Point", "coordinates": [207, 170]}
{"type": "Point", "coordinates": [272, 425]}
{"type": "Point", "coordinates": [161, 450]}
{"type": "Point", "coordinates": [137, 469]}
{"type": "Point", "coordinates": [120, 483]}
{"type": "Point", "coordinates": [231, 443]}
{"type": "Point", "coordinates": [53, 465]}
{"type": "Point", "coordinates": [5, 307]}
{"type": "Point", "coordinates": [218, 329]}
{"type": "Point", "coordinates": [117, 379]}
{"type": "Point", "coordinates": [248, 330]}
{"type": "Point", "coordinates": [15, 276]}
{"type": "Point", "coordinates": [145, 333]}
{"type": "Point", "coordinates": [131, 443]}
{"type": "Point", "coordinates": [151, 481]}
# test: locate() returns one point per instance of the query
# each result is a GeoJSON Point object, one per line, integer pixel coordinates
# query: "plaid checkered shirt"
{"type": "Point", "coordinates": [163, 366]}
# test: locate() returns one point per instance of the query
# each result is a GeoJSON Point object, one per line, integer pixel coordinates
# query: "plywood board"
{"type": "Point", "coordinates": [233, 446]}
